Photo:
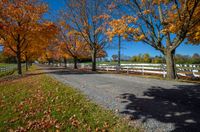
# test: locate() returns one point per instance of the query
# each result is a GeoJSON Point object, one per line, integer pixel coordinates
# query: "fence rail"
{"type": "Point", "coordinates": [182, 69]}
{"type": "Point", "coordinates": [7, 68]}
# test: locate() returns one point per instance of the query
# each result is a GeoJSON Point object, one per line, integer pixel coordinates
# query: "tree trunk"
{"type": "Point", "coordinates": [65, 62]}
{"type": "Point", "coordinates": [94, 54]}
{"type": "Point", "coordinates": [60, 63]}
{"type": "Point", "coordinates": [26, 65]}
{"type": "Point", "coordinates": [119, 57]}
{"type": "Point", "coordinates": [75, 63]}
{"type": "Point", "coordinates": [171, 68]}
{"type": "Point", "coordinates": [19, 67]}
{"type": "Point", "coordinates": [26, 62]}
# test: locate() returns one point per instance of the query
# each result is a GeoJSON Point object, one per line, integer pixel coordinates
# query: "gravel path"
{"type": "Point", "coordinates": [156, 105]}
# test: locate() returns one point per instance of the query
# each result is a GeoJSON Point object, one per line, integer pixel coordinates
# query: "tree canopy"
{"type": "Point", "coordinates": [84, 27]}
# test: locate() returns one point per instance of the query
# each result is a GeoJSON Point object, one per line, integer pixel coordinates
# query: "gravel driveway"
{"type": "Point", "coordinates": [158, 106]}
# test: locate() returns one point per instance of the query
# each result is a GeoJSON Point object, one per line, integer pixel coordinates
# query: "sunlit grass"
{"type": "Point", "coordinates": [38, 102]}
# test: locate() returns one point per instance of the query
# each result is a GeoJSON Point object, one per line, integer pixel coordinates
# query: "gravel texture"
{"type": "Point", "coordinates": [156, 105]}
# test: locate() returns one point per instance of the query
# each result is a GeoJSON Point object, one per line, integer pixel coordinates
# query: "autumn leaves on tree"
{"type": "Point", "coordinates": [85, 26]}
{"type": "Point", "coordinates": [162, 24]}
{"type": "Point", "coordinates": [83, 16]}
{"type": "Point", "coordinates": [21, 27]}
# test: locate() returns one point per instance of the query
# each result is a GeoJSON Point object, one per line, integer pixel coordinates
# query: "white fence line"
{"type": "Point", "coordinates": [9, 68]}
{"type": "Point", "coordinates": [143, 68]}
{"type": "Point", "coordinates": [151, 68]}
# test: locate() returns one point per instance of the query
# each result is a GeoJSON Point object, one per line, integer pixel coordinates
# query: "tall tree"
{"type": "Point", "coordinates": [72, 43]}
{"type": "Point", "coordinates": [20, 22]}
{"type": "Point", "coordinates": [85, 16]}
{"type": "Point", "coordinates": [39, 41]}
{"type": "Point", "coordinates": [162, 24]}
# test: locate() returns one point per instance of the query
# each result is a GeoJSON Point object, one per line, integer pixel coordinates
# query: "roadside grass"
{"type": "Point", "coordinates": [6, 64]}
{"type": "Point", "coordinates": [2, 74]}
{"type": "Point", "coordinates": [37, 102]}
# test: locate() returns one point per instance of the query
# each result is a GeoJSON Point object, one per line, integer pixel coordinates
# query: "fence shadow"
{"type": "Point", "coordinates": [180, 106]}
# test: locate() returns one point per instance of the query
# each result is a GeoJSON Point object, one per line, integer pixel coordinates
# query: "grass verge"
{"type": "Point", "coordinates": [37, 102]}
{"type": "Point", "coordinates": [2, 74]}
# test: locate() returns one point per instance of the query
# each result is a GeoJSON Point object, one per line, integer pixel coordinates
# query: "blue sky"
{"type": "Point", "coordinates": [135, 48]}
{"type": "Point", "coordinates": [130, 48]}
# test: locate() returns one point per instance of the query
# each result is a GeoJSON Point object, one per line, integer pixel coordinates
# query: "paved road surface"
{"type": "Point", "coordinates": [160, 106]}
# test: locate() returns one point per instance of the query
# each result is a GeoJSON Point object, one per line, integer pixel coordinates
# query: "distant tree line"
{"type": "Point", "coordinates": [122, 58]}
{"type": "Point", "coordinates": [146, 58]}
{"type": "Point", "coordinates": [186, 59]}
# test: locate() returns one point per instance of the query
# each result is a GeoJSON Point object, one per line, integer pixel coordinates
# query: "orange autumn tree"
{"type": "Point", "coordinates": [59, 53]}
{"type": "Point", "coordinates": [61, 48]}
{"type": "Point", "coordinates": [39, 41]}
{"type": "Point", "coordinates": [51, 52]}
{"type": "Point", "coordinates": [20, 21]}
{"type": "Point", "coordinates": [73, 44]}
{"type": "Point", "coordinates": [46, 56]}
{"type": "Point", "coordinates": [82, 15]}
{"type": "Point", "coordinates": [162, 24]}
{"type": "Point", "coordinates": [194, 33]}
{"type": "Point", "coordinates": [118, 27]}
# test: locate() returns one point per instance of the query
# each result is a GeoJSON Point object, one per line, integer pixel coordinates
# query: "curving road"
{"type": "Point", "coordinates": [156, 105]}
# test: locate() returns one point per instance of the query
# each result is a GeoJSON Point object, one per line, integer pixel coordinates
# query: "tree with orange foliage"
{"type": "Point", "coordinates": [39, 41]}
{"type": "Point", "coordinates": [84, 16]}
{"type": "Point", "coordinates": [162, 24]}
{"type": "Point", "coordinates": [20, 24]}
{"type": "Point", "coordinates": [72, 43]}
{"type": "Point", "coordinates": [51, 51]}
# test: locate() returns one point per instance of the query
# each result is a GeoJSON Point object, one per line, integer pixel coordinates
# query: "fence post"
{"type": "Point", "coordinates": [142, 70]}
{"type": "Point", "coordinates": [163, 68]}
{"type": "Point", "coordinates": [82, 65]}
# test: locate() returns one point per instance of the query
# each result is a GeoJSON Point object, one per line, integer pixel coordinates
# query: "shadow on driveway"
{"type": "Point", "coordinates": [180, 106]}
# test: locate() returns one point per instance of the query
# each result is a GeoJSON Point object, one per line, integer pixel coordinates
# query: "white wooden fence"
{"type": "Point", "coordinates": [182, 69]}
{"type": "Point", "coordinates": [9, 68]}
{"type": "Point", "coordinates": [4, 69]}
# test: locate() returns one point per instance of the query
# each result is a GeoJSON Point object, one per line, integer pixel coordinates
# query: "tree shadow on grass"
{"type": "Point", "coordinates": [180, 106]}
{"type": "Point", "coordinates": [47, 70]}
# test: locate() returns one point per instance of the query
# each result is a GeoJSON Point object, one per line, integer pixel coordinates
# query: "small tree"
{"type": "Point", "coordinates": [114, 57]}
{"type": "Point", "coordinates": [146, 58]}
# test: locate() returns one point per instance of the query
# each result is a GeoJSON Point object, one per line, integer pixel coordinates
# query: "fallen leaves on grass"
{"type": "Point", "coordinates": [74, 122]}
{"type": "Point", "coordinates": [40, 103]}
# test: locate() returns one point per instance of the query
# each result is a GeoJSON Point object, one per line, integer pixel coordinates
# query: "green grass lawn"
{"type": "Point", "coordinates": [37, 102]}
{"type": "Point", "coordinates": [6, 64]}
